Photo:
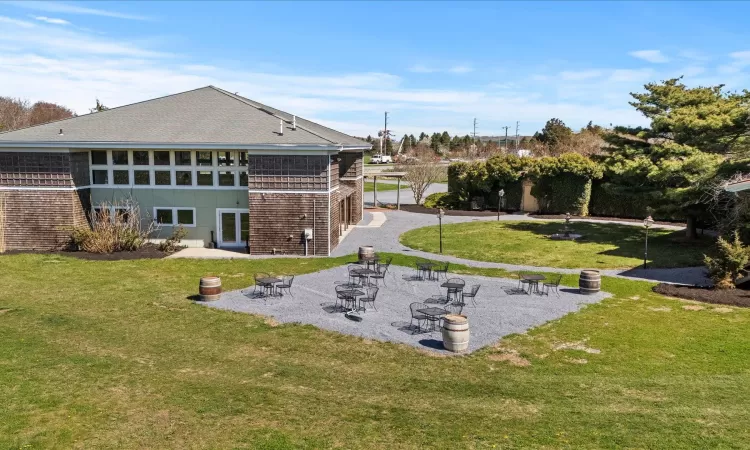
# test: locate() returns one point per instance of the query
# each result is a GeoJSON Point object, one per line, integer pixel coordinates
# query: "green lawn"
{"type": "Point", "coordinates": [384, 186]}
{"type": "Point", "coordinates": [114, 355]}
{"type": "Point", "coordinates": [603, 246]}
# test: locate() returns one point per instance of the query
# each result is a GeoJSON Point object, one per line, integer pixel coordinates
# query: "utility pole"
{"type": "Point", "coordinates": [517, 122]}
{"type": "Point", "coordinates": [506, 137]}
{"type": "Point", "coordinates": [384, 145]}
{"type": "Point", "coordinates": [475, 128]}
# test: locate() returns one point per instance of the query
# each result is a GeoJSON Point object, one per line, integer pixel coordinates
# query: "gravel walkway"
{"type": "Point", "coordinates": [501, 309]}
{"type": "Point", "coordinates": [385, 239]}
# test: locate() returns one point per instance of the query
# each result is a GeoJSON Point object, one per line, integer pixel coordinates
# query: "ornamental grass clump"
{"type": "Point", "coordinates": [727, 266]}
{"type": "Point", "coordinates": [114, 227]}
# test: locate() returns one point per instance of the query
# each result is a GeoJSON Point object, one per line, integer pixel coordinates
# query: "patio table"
{"type": "Point", "coordinates": [426, 267]}
{"type": "Point", "coordinates": [268, 284]}
{"type": "Point", "coordinates": [353, 293]}
{"type": "Point", "coordinates": [434, 315]}
{"type": "Point", "coordinates": [365, 273]}
{"type": "Point", "coordinates": [533, 280]}
{"type": "Point", "coordinates": [456, 287]}
{"type": "Point", "coordinates": [370, 261]}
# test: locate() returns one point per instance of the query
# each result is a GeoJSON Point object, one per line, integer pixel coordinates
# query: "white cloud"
{"type": "Point", "coordinates": [631, 75]}
{"type": "Point", "coordinates": [73, 68]}
{"type": "Point", "coordinates": [580, 75]}
{"type": "Point", "coordinates": [739, 60]}
{"type": "Point", "coordinates": [16, 22]}
{"type": "Point", "coordinates": [52, 20]}
{"type": "Point", "coordinates": [28, 36]}
{"type": "Point", "coordinates": [691, 71]}
{"type": "Point", "coordinates": [458, 69]}
{"type": "Point", "coordinates": [652, 56]}
{"type": "Point", "coordinates": [419, 68]}
{"type": "Point", "coordinates": [65, 8]}
{"type": "Point", "coordinates": [461, 69]}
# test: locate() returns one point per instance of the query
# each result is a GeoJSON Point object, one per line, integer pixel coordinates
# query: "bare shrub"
{"type": "Point", "coordinates": [18, 113]}
{"type": "Point", "coordinates": [114, 227]}
{"type": "Point", "coordinates": [420, 174]}
{"type": "Point", "coordinates": [172, 243]}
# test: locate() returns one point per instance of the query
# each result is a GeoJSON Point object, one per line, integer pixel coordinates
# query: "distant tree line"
{"type": "Point", "coordinates": [16, 113]}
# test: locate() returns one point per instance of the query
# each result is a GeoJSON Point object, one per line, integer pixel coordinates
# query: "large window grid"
{"type": "Point", "coordinates": [288, 172]}
{"type": "Point", "coordinates": [161, 169]}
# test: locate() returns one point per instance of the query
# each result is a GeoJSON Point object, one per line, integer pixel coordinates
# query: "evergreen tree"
{"type": "Point", "coordinates": [554, 133]}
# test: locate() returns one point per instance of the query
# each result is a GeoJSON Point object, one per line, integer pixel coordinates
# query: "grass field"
{"type": "Point", "coordinates": [114, 355]}
{"type": "Point", "coordinates": [603, 246]}
{"type": "Point", "coordinates": [384, 186]}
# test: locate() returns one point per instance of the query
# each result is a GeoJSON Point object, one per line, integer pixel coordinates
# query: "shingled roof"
{"type": "Point", "coordinates": [208, 115]}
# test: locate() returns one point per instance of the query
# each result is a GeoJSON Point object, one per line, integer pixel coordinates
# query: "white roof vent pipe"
{"type": "Point", "coordinates": [294, 122]}
{"type": "Point", "coordinates": [281, 127]}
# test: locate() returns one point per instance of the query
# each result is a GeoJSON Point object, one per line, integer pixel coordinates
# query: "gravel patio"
{"type": "Point", "coordinates": [501, 308]}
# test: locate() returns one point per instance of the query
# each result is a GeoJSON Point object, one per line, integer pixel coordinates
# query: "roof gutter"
{"type": "Point", "coordinates": [174, 145]}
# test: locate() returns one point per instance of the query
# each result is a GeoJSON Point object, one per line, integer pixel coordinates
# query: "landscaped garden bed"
{"type": "Point", "coordinates": [448, 212]}
{"type": "Point", "coordinates": [147, 251]}
{"type": "Point", "coordinates": [707, 294]}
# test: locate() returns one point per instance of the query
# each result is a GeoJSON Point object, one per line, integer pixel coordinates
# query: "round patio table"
{"type": "Point", "coordinates": [533, 281]}
{"type": "Point", "coordinates": [426, 267]}
{"type": "Point", "coordinates": [268, 284]}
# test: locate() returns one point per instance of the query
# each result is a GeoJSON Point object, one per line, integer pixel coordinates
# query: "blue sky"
{"type": "Point", "coordinates": [433, 66]}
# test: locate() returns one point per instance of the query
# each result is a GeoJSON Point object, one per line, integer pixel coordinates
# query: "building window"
{"type": "Point", "coordinates": [226, 159]}
{"type": "Point", "coordinates": [182, 159]}
{"type": "Point", "coordinates": [120, 157]}
{"type": "Point", "coordinates": [204, 159]}
{"type": "Point", "coordinates": [243, 159]}
{"type": "Point", "coordinates": [161, 158]}
{"type": "Point", "coordinates": [140, 158]}
{"type": "Point", "coordinates": [121, 177]}
{"type": "Point", "coordinates": [226, 178]}
{"type": "Point", "coordinates": [100, 177]}
{"type": "Point", "coordinates": [243, 178]}
{"type": "Point", "coordinates": [162, 178]}
{"type": "Point", "coordinates": [185, 217]}
{"type": "Point", "coordinates": [142, 177]}
{"type": "Point", "coordinates": [205, 178]}
{"type": "Point", "coordinates": [164, 216]}
{"type": "Point", "coordinates": [98, 157]}
{"type": "Point", "coordinates": [183, 178]}
{"type": "Point", "coordinates": [174, 216]}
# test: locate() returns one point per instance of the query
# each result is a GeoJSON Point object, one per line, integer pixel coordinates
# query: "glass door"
{"type": "Point", "coordinates": [229, 228]}
{"type": "Point", "coordinates": [233, 226]}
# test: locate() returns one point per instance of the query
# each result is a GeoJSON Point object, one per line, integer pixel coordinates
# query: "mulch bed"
{"type": "Point", "coordinates": [619, 219]}
{"type": "Point", "coordinates": [735, 297]}
{"type": "Point", "coordinates": [448, 212]}
{"type": "Point", "coordinates": [148, 251]}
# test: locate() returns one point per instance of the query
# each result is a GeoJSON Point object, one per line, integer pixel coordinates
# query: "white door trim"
{"type": "Point", "coordinates": [237, 225]}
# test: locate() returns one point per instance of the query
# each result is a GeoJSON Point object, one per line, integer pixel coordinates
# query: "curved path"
{"type": "Point", "coordinates": [386, 238]}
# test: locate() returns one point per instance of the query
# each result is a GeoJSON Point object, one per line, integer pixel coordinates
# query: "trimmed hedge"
{"type": "Point", "coordinates": [478, 183]}
{"type": "Point", "coordinates": [563, 184]}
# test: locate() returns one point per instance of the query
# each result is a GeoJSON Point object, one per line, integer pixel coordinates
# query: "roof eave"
{"type": "Point", "coordinates": [738, 187]}
{"type": "Point", "coordinates": [175, 145]}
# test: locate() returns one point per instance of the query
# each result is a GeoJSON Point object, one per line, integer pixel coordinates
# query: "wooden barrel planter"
{"type": "Point", "coordinates": [210, 289]}
{"type": "Point", "coordinates": [366, 252]}
{"type": "Point", "coordinates": [590, 282]}
{"type": "Point", "coordinates": [455, 332]}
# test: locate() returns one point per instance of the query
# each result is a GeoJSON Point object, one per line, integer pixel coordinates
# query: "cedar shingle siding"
{"type": "Point", "coordinates": [278, 221]}
{"type": "Point", "coordinates": [42, 218]}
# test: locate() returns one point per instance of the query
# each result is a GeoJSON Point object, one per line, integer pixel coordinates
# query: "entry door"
{"type": "Point", "coordinates": [233, 226]}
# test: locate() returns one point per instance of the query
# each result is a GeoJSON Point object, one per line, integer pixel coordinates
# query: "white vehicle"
{"type": "Point", "coordinates": [381, 159]}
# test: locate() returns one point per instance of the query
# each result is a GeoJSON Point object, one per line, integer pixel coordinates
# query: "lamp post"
{"type": "Point", "coordinates": [500, 195]}
{"type": "Point", "coordinates": [440, 215]}
{"type": "Point", "coordinates": [647, 222]}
